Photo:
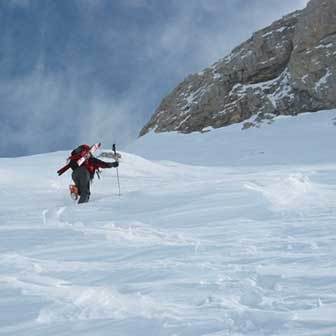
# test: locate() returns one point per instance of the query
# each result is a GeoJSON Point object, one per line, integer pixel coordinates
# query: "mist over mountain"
{"type": "Point", "coordinates": [79, 71]}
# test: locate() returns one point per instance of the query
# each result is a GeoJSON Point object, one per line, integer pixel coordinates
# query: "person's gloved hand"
{"type": "Point", "coordinates": [113, 164]}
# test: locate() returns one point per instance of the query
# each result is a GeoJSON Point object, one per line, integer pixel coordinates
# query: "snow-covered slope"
{"type": "Point", "coordinates": [305, 139]}
{"type": "Point", "coordinates": [242, 244]}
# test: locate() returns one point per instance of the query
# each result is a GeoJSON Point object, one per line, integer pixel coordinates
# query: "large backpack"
{"type": "Point", "coordinates": [78, 157]}
{"type": "Point", "coordinates": [78, 153]}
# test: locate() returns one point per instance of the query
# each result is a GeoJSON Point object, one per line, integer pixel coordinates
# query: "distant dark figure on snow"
{"type": "Point", "coordinates": [83, 175]}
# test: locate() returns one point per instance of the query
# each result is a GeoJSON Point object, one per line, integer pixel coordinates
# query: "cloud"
{"type": "Point", "coordinates": [136, 3]}
{"type": "Point", "coordinates": [207, 30]}
{"type": "Point", "coordinates": [50, 113]}
{"type": "Point", "coordinates": [20, 3]}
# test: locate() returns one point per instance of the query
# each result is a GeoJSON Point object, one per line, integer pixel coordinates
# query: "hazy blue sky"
{"type": "Point", "coordinates": [81, 71]}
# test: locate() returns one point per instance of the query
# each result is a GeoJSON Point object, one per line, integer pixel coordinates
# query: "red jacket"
{"type": "Point", "coordinates": [92, 164]}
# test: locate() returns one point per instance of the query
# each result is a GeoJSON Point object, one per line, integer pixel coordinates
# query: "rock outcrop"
{"type": "Point", "coordinates": [284, 69]}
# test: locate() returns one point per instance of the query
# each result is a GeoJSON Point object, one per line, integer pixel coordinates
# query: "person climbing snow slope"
{"type": "Point", "coordinates": [83, 175]}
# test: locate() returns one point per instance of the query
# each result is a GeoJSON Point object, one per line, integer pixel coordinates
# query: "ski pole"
{"type": "Point", "coordinates": [115, 154]}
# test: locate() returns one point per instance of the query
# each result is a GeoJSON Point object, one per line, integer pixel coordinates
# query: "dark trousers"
{"type": "Point", "coordinates": [82, 179]}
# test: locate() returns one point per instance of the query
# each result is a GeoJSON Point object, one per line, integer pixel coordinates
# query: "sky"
{"type": "Point", "coordinates": [83, 71]}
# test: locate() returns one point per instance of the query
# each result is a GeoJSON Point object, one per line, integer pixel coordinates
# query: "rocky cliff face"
{"type": "Point", "coordinates": [284, 69]}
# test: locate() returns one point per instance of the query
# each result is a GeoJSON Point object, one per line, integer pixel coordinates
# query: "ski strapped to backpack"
{"type": "Point", "coordinates": [79, 157]}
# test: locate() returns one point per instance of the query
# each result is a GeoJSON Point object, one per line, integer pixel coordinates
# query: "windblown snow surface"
{"type": "Point", "coordinates": [229, 232]}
